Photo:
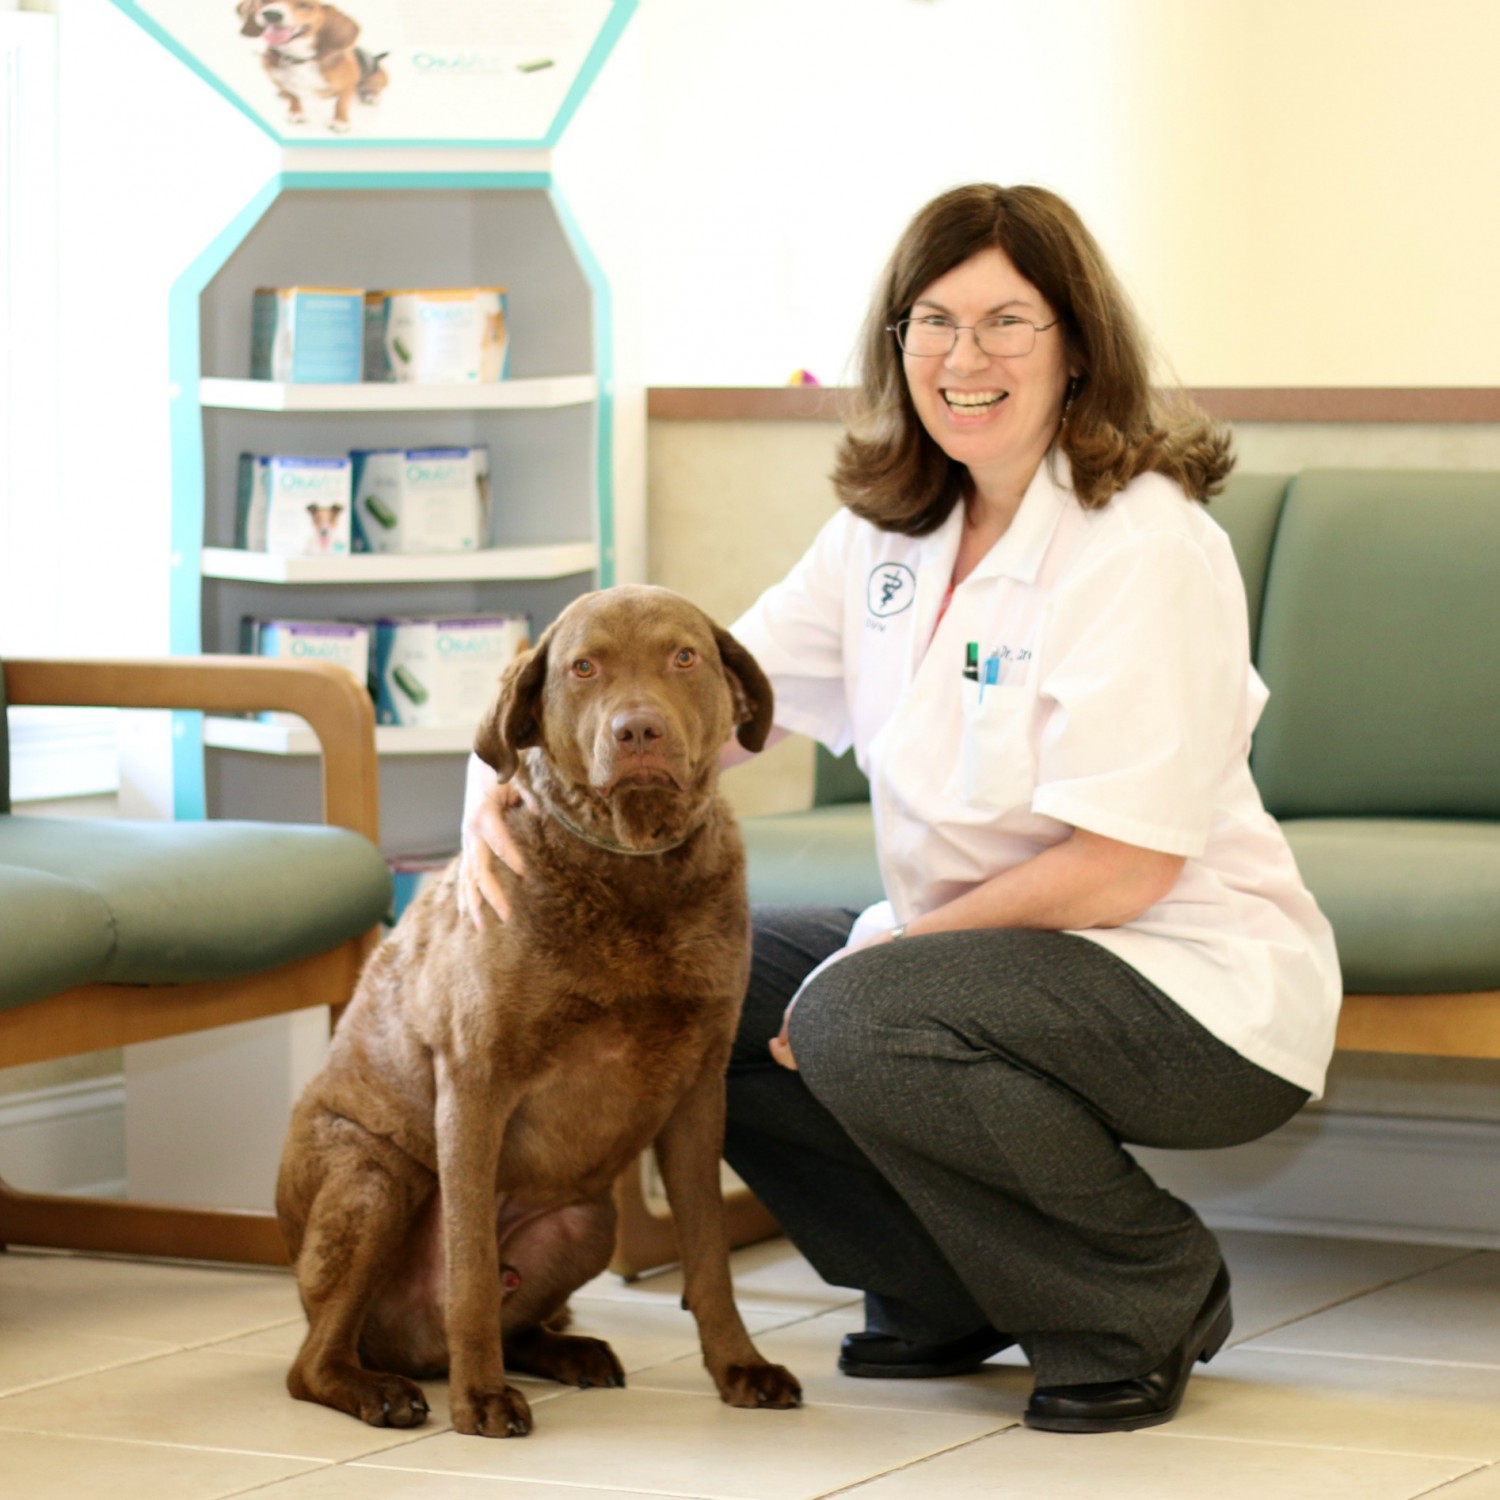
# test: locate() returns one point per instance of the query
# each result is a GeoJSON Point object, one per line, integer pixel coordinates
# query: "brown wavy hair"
{"type": "Point", "coordinates": [889, 469]}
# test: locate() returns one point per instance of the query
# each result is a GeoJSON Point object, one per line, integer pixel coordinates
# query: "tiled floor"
{"type": "Point", "coordinates": [1358, 1371]}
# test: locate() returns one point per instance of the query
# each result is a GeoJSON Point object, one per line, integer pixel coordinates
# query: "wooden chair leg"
{"type": "Point", "coordinates": [120, 1227]}
{"type": "Point", "coordinates": [645, 1239]}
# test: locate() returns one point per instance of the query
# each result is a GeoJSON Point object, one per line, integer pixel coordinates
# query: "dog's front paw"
{"type": "Point", "coordinates": [760, 1385]}
{"type": "Point", "coordinates": [339, 127]}
{"type": "Point", "coordinates": [392, 1401]}
{"type": "Point", "coordinates": [497, 1414]}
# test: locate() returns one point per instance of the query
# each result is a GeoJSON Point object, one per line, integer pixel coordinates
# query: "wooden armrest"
{"type": "Point", "coordinates": [334, 704]}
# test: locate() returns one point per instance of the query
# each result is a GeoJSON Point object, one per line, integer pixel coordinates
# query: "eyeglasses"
{"type": "Point", "coordinates": [1004, 337]}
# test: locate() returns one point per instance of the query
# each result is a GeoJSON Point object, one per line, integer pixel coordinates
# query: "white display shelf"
{"type": "Point", "coordinates": [297, 739]}
{"type": "Point", "coordinates": [550, 560]}
{"type": "Point", "coordinates": [500, 395]}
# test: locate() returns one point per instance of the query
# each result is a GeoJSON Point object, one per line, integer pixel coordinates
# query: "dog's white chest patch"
{"type": "Point", "coordinates": [291, 72]}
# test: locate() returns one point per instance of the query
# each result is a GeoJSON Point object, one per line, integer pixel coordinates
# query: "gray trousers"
{"type": "Point", "coordinates": [953, 1142]}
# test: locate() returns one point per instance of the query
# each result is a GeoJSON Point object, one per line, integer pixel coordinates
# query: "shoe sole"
{"type": "Point", "coordinates": [881, 1370]}
{"type": "Point", "coordinates": [864, 1371]}
{"type": "Point", "coordinates": [1213, 1340]}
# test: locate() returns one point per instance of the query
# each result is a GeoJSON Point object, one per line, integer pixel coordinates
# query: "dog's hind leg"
{"type": "Point", "coordinates": [552, 1256]}
{"type": "Point", "coordinates": [348, 1242]}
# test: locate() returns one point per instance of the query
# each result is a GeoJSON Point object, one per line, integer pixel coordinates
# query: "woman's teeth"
{"type": "Point", "coordinates": [974, 400]}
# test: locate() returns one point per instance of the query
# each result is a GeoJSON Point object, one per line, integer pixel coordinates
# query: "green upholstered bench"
{"type": "Point", "coordinates": [114, 932]}
{"type": "Point", "coordinates": [1374, 600]}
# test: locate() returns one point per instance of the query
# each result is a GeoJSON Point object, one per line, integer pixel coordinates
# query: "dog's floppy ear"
{"type": "Point", "coordinates": [336, 33]}
{"type": "Point", "coordinates": [245, 10]}
{"type": "Point", "coordinates": [515, 720]}
{"type": "Point", "coordinates": [754, 701]}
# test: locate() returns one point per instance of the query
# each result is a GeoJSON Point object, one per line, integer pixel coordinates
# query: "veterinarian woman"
{"type": "Point", "coordinates": [1035, 639]}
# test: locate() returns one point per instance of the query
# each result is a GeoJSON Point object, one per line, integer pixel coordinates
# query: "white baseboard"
{"type": "Point", "coordinates": [66, 1139]}
{"type": "Point", "coordinates": [1355, 1176]}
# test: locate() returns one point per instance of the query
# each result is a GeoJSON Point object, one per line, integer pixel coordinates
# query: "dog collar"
{"type": "Point", "coordinates": [613, 845]}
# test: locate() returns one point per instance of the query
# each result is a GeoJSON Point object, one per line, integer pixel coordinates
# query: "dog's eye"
{"type": "Point", "coordinates": [686, 657]}
{"type": "Point", "coordinates": [583, 667]}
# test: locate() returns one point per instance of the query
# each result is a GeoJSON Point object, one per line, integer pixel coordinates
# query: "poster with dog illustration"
{"type": "Point", "coordinates": [387, 72]}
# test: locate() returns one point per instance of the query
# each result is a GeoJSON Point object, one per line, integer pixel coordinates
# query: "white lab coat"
{"type": "Point", "coordinates": [1115, 693]}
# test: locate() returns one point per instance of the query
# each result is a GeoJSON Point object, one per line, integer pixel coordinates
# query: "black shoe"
{"type": "Point", "coordinates": [1149, 1399]}
{"type": "Point", "coordinates": [882, 1356]}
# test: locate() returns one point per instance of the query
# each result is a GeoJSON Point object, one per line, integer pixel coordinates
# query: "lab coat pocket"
{"type": "Point", "coordinates": [996, 767]}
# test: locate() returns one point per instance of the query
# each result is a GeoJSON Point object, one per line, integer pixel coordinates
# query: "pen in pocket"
{"type": "Point", "coordinates": [971, 661]}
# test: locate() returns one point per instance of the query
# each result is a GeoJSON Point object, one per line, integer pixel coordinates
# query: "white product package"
{"type": "Point", "coordinates": [344, 643]}
{"type": "Point", "coordinates": [420, 499]}
{"type": "Point", "coordinates": [442, 671]}
{"type": "Point", "coordinates": [439, 336]}
{"type": "Point", "coordinates": [294, 507]}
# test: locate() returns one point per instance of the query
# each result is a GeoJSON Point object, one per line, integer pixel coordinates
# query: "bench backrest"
{"type": "Point", "coordinates": [1380, 642]}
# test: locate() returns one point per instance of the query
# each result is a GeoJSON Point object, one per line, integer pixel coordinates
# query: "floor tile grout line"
{"type": "Point", "coordinates": [1369, 1291]}
{"type": "Point", "coordinates": [124, 1364]}
{"type": "Point", "coordinates": [99, 1437]}
{"type": "Point", "coordinates": [916, 1463]}
{"type": "Point", "coordinates": [166, 1351]}
{"type": "Point", "coordinates": [1449, 1483]}
{"type": "Point", "coordinates": [1392, 1359]}
{"type": "Point", "coordinates": [1161, 1434]}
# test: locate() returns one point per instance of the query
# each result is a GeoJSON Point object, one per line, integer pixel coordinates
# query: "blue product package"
{"type": "Point", "coordinates": [309, 335]}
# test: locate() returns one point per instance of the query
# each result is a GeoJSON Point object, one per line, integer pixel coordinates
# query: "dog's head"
{"type": "Point", "coordinates": [626, 700]}
{"type": "Point", "coordinates": [286, 23]}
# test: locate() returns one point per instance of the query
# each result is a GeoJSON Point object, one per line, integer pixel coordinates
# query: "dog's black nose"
{"type": "Point", "coordinates": [273, 16]}
{"type": "Point", "coordinates": [638, 729]}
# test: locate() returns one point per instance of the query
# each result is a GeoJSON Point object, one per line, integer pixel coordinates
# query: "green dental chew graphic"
{"type": "Point", "coordinates": [381, 511]}
{"type": "Point", "coordinates": [407, 682]}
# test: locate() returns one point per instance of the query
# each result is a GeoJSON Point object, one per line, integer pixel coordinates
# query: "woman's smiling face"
{"type": "Point", "coordinates": [997, 415]}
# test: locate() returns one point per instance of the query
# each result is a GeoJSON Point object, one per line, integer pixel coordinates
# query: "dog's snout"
{"type": "Point", "coordinates": [638, 729]}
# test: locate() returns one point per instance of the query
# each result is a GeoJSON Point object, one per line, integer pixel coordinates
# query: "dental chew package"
{"type": "Point", "coordinates": [342, 642]}
{"type": "Point", "coordinates": [442, 671]}
{"type": "Point", "coordinates": [307, 333]}
{"type": "Point", "coordinates": [420, 499]}
{"type": "Point", "coordinates": [440, 336]}
{"type": "Point", "coordinates": [294, 507]}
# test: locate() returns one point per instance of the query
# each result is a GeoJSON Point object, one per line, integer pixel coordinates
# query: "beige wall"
{"type": "Point", "coordinates": [1314, 190]}
{"type": "Point", "coordinates": [1297, 192]}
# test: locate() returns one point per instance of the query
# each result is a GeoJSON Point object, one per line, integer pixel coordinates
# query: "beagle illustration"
{"type": "Point", "coordinates": [310, 54]}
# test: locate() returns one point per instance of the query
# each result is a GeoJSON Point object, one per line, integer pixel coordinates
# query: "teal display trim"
{"type": "Point", "coordinates": [615, 23]}
{"type": "Point", "coordinates": [604, 365]}
{"type": "Point", "coordinates": [185, 599]}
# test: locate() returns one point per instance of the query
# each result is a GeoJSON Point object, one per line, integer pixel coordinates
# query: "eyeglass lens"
{"type": "Point", "coordinates": [1007, 338]}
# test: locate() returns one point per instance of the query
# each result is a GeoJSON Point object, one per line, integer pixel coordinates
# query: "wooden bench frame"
{"type": "Point", "coordinates": [92, 1017]}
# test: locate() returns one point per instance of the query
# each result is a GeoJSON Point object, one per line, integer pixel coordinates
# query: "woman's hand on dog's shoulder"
{"type": "Point", "coordinates": [486, 838]}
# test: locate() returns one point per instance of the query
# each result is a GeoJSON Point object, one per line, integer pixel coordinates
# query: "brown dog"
{"type": "Point", "coordinates": [485, 1088]}
{"type": "Point", "coordinates": [310, 54]}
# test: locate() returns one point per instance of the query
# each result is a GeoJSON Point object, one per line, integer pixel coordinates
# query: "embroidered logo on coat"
{"type": "Point", "coordinates": [892, 588]}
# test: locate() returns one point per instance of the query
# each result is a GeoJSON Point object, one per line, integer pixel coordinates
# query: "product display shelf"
{"type": "Point", "coordinates": [220, 733]}
{"type": "Point", "coordinates": [539, 561]}
{"type": "Point", "coordinates": [537, 394]}
{"type": "Point", "coordinates": [549, 428]}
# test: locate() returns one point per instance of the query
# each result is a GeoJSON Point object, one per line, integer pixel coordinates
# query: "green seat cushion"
{"type": "Point", "coordinates": [822, 857]}
{"type": "Point", "coordinates": [1378, 640]}
{"type": "Point", "coordinates": [54, 933]}
{"type": "Point", "coordinates": [1414, 903]}
{"type": "Point", "coordinates": [214, 900]}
